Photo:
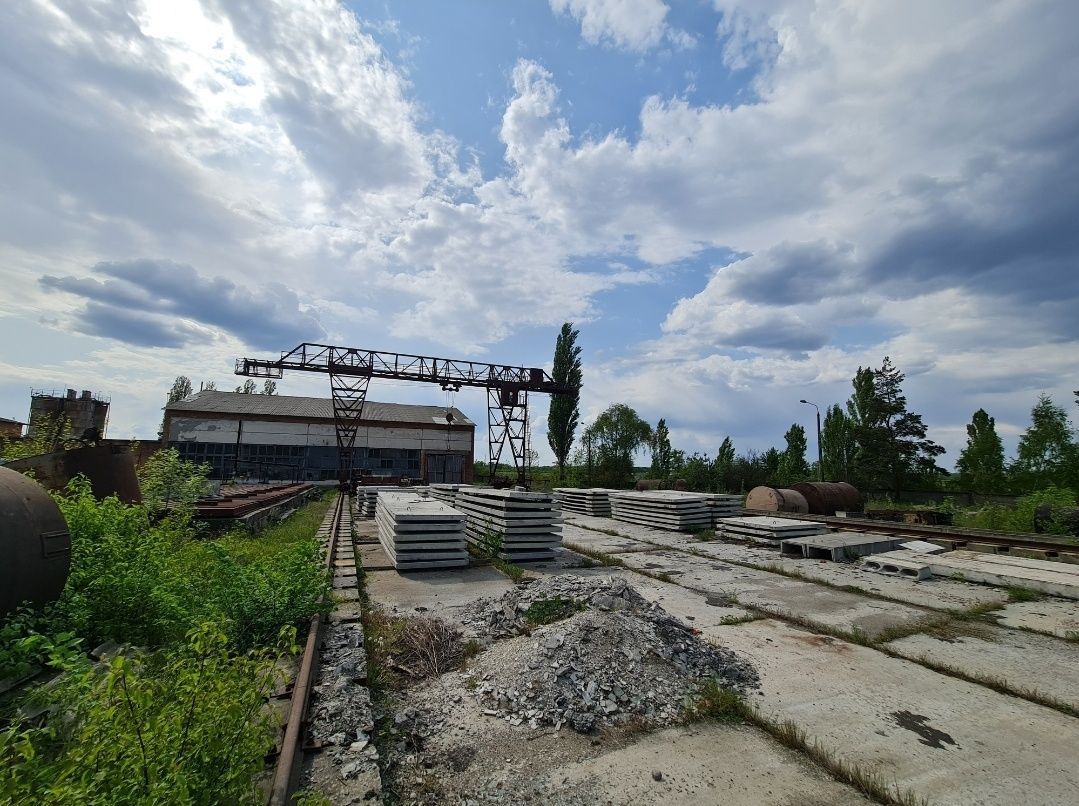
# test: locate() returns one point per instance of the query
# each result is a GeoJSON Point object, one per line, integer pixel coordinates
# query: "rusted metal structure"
{"type": "Point", "coordinates": [773, 499]}
{"type": "Point", "coordinates": [351, 370]}
{"type": "Point", "coordinates": [86, 412]}
{"type": "Point", "coordinates": [110, 469]}
{"type": "Point", "coordinates": [829, 497]}
{"type": "Point", "coordinates": [35, 543]}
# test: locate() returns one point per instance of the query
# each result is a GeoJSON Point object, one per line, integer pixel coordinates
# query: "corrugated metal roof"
{"type": "Point", "coordinates": [309, 408]}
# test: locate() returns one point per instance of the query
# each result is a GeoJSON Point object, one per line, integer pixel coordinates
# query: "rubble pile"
{"type": "Point", "coordinates": [620, 658]}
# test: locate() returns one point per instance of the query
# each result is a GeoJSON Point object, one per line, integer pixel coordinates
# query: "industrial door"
{"type": "Point", "coordinates": [445, 468]}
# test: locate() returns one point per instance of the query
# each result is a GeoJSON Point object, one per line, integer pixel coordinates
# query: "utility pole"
{"type": "Point", "coordinates": [820, 449]}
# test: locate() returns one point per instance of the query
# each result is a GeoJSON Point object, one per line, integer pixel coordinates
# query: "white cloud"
{"type": "Point", "coordinates": [636, 25]}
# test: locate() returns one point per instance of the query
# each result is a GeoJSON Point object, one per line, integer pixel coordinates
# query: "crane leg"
{"type": "Point", "coordinates": [507, 424]}
{"type": "Point", "coordinates": [349, 393]}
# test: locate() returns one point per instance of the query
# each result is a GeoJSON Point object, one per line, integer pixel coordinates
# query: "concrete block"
{"type": "Point", "coordinates": [984, 548]}
{"type": "Point", "coordinates": [839, 546]}
{"type": "Point", "coordinates": [898, 567]}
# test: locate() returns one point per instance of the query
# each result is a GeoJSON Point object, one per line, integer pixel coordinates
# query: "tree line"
{"type": "Point", "coordinates": [873, 440]}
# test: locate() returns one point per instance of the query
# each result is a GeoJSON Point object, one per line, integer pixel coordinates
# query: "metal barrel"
{"type": "Point", "coordinates": [773, 499]}
{"type": "Point", "coordinates": [827, 497]}
{"type": "Point", "coordinates": [34, 542]}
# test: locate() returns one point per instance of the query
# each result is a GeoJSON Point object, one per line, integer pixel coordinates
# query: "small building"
{"type": "Point", "coordinates": [294, 438]}
{"type": "Point", "coordinates": [10, 429]}
{"type": "Point", "coordinates": [82, 412]}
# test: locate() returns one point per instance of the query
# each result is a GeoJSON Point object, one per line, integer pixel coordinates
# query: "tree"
{"type": "Point", "coordinates": [892, 442]}
{"type": "Point", "coordinates": [981, 462]}
{"type": "Point", "coordinates": [167, 481]}
{"type": "Point", "coordinates": [616, 435]}
{"type": "Point", "coordinates": [269, 387]}
{"type": "Point", "coordinates": [661, 451]}
{"type": "Point", "coordinates": [1047, 451]}
{"type": "Point", "coordinates": [249, 388]}
{"type": "Point", "coordinates": [724, 467]}
{"type": "Point", "coordinates": [792, 464]}
{"type": "Point", "coordinates": [181, 388]}
{"type": "Point", "coordinates": [837, 444]}
{"type": "Point", "coordinates": [209, 386]}
{"type": "Point", "coordinates": [564, 413]}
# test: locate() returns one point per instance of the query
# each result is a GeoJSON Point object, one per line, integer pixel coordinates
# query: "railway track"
{"type": "Point", "coordinates": [336, 534]}
{"type": "Point", "coordinates": [1043, 546]}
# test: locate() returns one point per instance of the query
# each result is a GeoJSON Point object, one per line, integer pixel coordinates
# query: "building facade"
{"type": "Point", "coordinates": [10, 429]}
{"type": "Point", "coordinates": [278, 437]}
{"type": "Point", "coordinates": [83, 411]}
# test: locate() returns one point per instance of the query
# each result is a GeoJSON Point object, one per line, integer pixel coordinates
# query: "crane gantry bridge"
{"type": "Point", "coordinates": [351, 370]}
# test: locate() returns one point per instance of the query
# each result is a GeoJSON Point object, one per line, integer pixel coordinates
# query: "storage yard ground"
{"type": "Point", "coordinates": [944, 691]}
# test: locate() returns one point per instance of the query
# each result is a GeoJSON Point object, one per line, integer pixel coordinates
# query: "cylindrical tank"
{"type": "Point", "coordinates": [828, 497]}
{"type": "Point", "coordinates": [772, 499]}
{"type": "Point", "coordinates": [34, 543]}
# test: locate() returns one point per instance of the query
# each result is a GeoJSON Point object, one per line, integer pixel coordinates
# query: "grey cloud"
{"type": "Point", "coordinates": [793, 274]}
{"type": "Point", "coordinates": [140, 293]}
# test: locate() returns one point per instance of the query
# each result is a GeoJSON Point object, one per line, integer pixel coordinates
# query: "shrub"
{"type": "Point", "coordinates": [186, 725]}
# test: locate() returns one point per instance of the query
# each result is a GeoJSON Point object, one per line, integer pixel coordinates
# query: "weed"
{"type": "Point", "coordinates": [599, 556]}
{"type": "Point", "coordinates": [730, 621]}
{"type": "Point", "coordinates": [513, 571]}
{"type": "Point", "coordinates": [704, 535]}
{"type": "Point", "coordinates": [471, 683]}
{"type": "Point", "coordinates": [548, 611]}
{"type": "Point", "coordinates": [1020, 594]}
{"type": "Point", "coordinates": [311, 797]}
{"type": "Point", "coordinates": [471, 649]}
{"type": "Point", "coordinates": [1072, 635]}
{"type": "Point", "coordinates": [717, 703]}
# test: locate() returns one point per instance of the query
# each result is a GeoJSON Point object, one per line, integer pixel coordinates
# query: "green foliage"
{"type": "Point", "coordinates": [1020, 518]}
{"type": "Point", "coordinates": [138, 582]}
{"type": "Point", "coordinates": [269, 387]}
{"type": "Point", "coordinates": [715, 703]}
{"type": "Point", "coordinates": [166, 480]}
{"type": "Point", "coordinates": [892, 442]}
{"type": "Point", "coordinates": [981, 463]}
{"type": "Point", "coordinates": [46, 434]}
{"type": "Point", "coordinates": [724, 466]}
{"type": "Point", "coordinates": [793, 467]}
{"type": "Point", "coordinates": [837, 444]}
{"type": "Point", "coordinates": [249, 388]}
{"type": "Point", "coordinates": [697, 470]}
{"type": "Point", "coordinates": [564, 414]}
{"type": "Point", "coordinates": [612, 440]}
{"type": "Point", "coordinates": [548, 611]}
{"type": "Point", "coordinates": [1047, 452]}
{"type": "Point", "coordinates": [187, 725]}
{"type": "Point", "coordinates": [661, 451]}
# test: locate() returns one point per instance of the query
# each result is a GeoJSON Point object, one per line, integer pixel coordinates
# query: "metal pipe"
{"type": "Point", "coordinates": [820, 449]}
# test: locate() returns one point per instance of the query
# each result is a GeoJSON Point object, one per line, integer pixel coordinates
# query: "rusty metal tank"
{"type": "Point", "coordinates": [829, 497]}
{"type": "Point", "coordinates": [110, 470]}
{"type": "Point", "coordinates": [775, 499]}
{"type": "Point", "coordinates": [34, 543]}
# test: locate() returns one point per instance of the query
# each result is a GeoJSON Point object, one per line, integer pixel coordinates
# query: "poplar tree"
{"type": "Point", "coordinates": [981, 462]}
{"type": "Point", "coordinates": [837, 444]}
{"type": "Point", "coordinates": [724, 470]}
{"type": "Point", "coordinates": [661, 451]}
{"type": "Point", "coordinates": [564, 413]}
{"type": "Point", "coordinates": [792, 464]}
{"type": "Point", "coordinates": [1047, 451]}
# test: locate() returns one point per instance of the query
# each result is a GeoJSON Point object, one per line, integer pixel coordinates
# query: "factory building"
{"type": "Point", "coordinates": [10, 429]}
{"type": "Point", "coordinates": [281, 437]}
{"type": "Point", "coordinates": [83, 412]}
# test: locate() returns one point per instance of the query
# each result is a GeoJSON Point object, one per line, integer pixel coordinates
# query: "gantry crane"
{"type": "Point", "coordinates": [351, 370]}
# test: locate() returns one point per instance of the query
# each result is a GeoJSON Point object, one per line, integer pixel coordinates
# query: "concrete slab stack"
{"type": "Point", "coordinates": [446, 493]}
{"type": "Point", "coordinates": [526, 525]}
{"type": "Point", "coordinates": [367, 498]}
{"type": "Point", "coordinates": [662, 509]}
{"type": "Point", "coordinates": [839, 546]}
{"type": "Point", "coordinates": [722, 505]}
{"type": "Point", "coordinates": [765, 529]}
{"type": "Point", "coordinates": [593, 501]}
{"type": "Point", "coordinates": [420, 533]}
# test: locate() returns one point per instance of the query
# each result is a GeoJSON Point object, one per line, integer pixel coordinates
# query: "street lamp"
{"type": "Point", "coordinates": [820, 450]}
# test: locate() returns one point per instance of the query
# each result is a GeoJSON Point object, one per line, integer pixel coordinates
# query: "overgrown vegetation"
{"type": "Point", "coordinates": [180, 718]}
{"type": "Point", "coordinates": [548, 611]}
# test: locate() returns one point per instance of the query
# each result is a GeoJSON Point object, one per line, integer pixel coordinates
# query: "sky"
{"type": "Point", "coordinates": [737, 202]}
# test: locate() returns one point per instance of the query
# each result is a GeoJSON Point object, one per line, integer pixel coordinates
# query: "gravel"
{"type": "Point", "coordinates": [618, 659]}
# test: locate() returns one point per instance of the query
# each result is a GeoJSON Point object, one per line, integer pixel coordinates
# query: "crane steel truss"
{"type": "Point", "coordinates": [351, 369]}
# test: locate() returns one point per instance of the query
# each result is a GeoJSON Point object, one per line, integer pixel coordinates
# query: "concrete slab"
{"type": "Point", "coordinates": [948, 741]}
{"type": "Point", "coordinates": [997, 570]}
{"type": "Point", "coordinates": [777, 594]}
{"type": "Point", "coordinates": [700, 764]}
{"type": "Point", "coordinates": [838, 546]}
{"type": "Point", "coordinates": [1047, 666]}
{"type": "Point", "coordinates": [1058, 617]}
{"type": "Point", "coordinates": [440, 593]}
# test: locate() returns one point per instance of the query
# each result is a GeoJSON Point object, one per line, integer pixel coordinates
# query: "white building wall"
{"type": "Point", "coordinates": [269, 432]}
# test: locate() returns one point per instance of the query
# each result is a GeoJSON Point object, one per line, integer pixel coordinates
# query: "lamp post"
{"type": "Point", "coordinates": [820, 450]}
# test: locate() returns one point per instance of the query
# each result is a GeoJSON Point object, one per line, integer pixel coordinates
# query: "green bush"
{"type": "Point", "coordinates": [187, 725]}
{"type": "Point", "coordinates": [1020, 518]}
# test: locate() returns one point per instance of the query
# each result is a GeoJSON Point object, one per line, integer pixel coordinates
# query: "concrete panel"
{"type": "Point", "coordinates": [198, 429]}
